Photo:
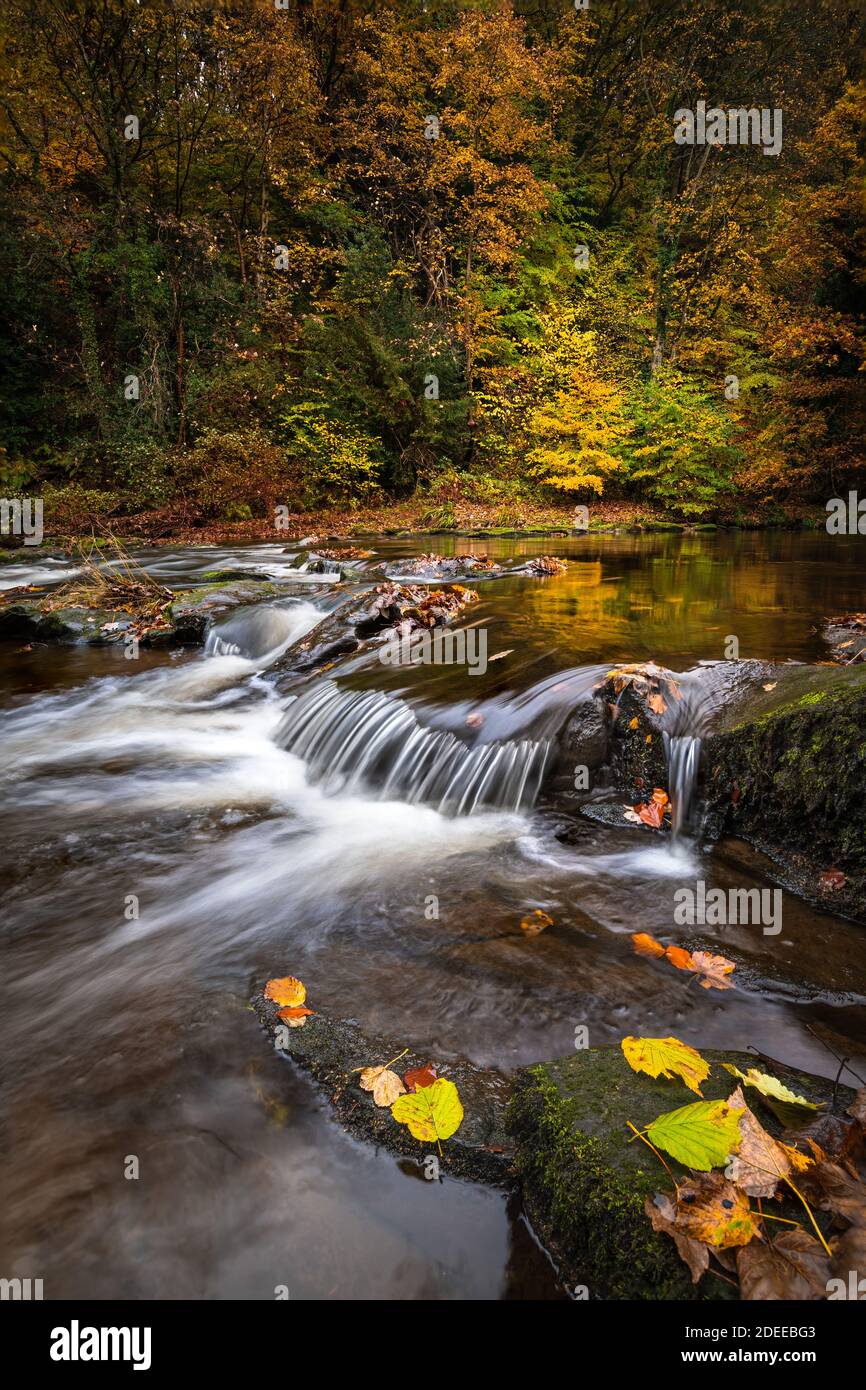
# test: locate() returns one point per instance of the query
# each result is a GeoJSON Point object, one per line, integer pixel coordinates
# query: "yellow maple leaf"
{"type": "Point", "coordinates": [666, 1057]}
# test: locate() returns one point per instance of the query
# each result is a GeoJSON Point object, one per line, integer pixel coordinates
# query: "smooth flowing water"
{"type": "Point", "coordinates": [177, 830]}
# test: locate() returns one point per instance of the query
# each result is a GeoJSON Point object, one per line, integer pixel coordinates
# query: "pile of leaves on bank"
{"type": "Point", "coordinates": [817, 1168]}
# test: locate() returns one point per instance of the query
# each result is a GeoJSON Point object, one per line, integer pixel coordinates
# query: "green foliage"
{"type": "Point", "coordinates": [682, 448]}
{"type": "Point", "coordinates": [334, 461]}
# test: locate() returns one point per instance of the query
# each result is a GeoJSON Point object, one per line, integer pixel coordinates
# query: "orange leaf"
{"type": "Point", "coordinates": [535, 922]}
{"type": "Point", "coordinates": [646, 945]}
{"type": "Point", "coordinates": [679, 957]}
{"type": "Point", "coordinates": [287, 990]}
{"type": "Point", "coordinates": [650, 813]}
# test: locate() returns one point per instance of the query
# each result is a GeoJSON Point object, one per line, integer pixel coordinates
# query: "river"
{"type": "Point", "coordinates": [255, 842]}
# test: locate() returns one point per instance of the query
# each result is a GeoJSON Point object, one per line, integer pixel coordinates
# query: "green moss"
{"type": "Point", "coordinates": [800, 771]}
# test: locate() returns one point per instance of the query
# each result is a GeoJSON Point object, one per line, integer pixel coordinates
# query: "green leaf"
{"type": "Point", "coordinates": [701, 1136]}
{"type": "Point", "coordinates": [434, 1112]}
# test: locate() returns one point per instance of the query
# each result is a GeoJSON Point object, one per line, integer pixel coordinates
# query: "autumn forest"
{"type": "Point", "coordinates": [334, 253]}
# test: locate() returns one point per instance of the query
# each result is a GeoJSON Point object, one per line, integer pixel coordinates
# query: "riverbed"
{"type": "Point", "coordinates": [168, 847]}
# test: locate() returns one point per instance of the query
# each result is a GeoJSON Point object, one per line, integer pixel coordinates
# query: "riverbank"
{"type": "Point", "coordinates": [462, 517]}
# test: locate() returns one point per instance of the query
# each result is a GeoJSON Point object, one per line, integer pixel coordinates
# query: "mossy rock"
{"type": "Point", "coordinates": [791, 781]}
{"type": "Point", "coordinates": [586, 1177]}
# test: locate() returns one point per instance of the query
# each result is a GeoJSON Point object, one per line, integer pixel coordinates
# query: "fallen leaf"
{"type": "Point", "coordinates": [656, 703]}
{"type": "Point", "coordinates": [831, 879]}
{"type": "Point", "coordinates": [497, 656]}
{"type": "Point", "coordinates": [702, 1135]}
{"type": "Point", "coordinates": [711, 1209]}
{"type": "Point", "coordinates": [759, 1164]}
{"type": "Point", "coordinates": [535, 922]}
{"type": "Point", "coordinates": [785, 1104]}
{"type": "Point", "coordinates": [679, 957]}
{"type": "Point", "coordinates": [295, 1017]}
{"type": "Point", "coordinates": [714, 970]}
{"type": "Point", "coordinates": [646, 945]}
{"type": "Point", "coordinates": [385, 1085]}
{"type": "Point", "coordinates": [666, 1057]}
{"type": "Point", "coordinates": [832, 1188]}
{"type": "Point", "coordinates": [771, 685]}
{"type": "Point", "coordinates": [857, 1108]}
{"type": "Point", "coordinates": [793, 1266]}
{"type": "Point", "coordinates": [693, 1253]}
{"type": "Point", "coordinates": [474, 721]}
{"type": "Point", "coordinates": [633, 723]}
{"type": "Point", "coordinates": [849, 1253]}
{"type": "Point", "coordinates": [420, 1076]}
{"type": "Point", "coordinates": [287, 990]}
{"type": "Point", "coordinates": [632, 816]}
{"type": "Point", "coordinates": [650, 813]}
{"type": "Point", "coordinates": [431, 1114]}
{"type": "Point", "coordinates": [660, 796]}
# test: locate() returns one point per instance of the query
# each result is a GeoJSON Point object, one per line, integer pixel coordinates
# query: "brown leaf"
{"type": "Point", "coordinates": [832, 1188]}
{"type": "Point", "coordinates": [857, 1108]}
{"type": "Point", "coordinates": [849, 1253]}
{"type": "Point", "coordinates": [831, 880]}
{"type": "Point", "coordinates": [650, 813]}
{"type": "Point", "coordinates": [656, 703]}
{"type": "Point", "coordinates": [760, 1164]}
{"type": "Point", "coordinates": [714, 970]}
{"type": "Point", "coordinates": [694, 1253]}
{"type": "Point", "coordinates": [793, 1266]}
{"type": "Point", "coordinates": [420, 1076]}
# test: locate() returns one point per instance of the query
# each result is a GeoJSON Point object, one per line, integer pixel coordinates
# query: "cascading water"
{"type": "Point", "coordinates": [373, 740]}
{"type": "Point", "coordinates": [684, 756]}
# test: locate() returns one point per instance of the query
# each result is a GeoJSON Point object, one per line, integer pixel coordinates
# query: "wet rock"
{"type": "Point", "coordinates": [584, 1184]}
{"type": "Point", "coordinates": [333, 1050]}
{"type": "Point", "coordinates": [846, 637]}
{"type": "Point", "coordinates": [585, 738]}
{"type": "Point", "coordinates": [190, 614]}
{"type": "Point", "coordinates": [790, 781]}
{"type": "Point", "coordinates": [639, 701]}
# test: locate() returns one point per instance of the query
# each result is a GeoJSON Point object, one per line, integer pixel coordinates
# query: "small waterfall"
{"type": "Point", "coordinates": [262, 633]}
{"type": "Point", "coordinates": [684, 757]}
{"type": "Point", "coordinates": [373, 740]}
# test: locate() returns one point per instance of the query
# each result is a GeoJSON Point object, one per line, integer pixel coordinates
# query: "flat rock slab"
{"type": "Point", "coordinates": [334, 1050]}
